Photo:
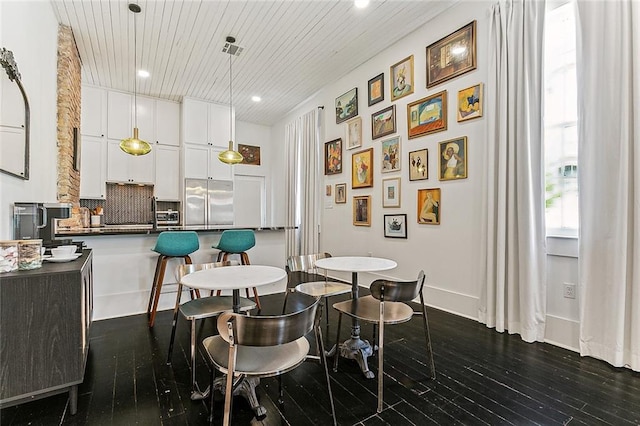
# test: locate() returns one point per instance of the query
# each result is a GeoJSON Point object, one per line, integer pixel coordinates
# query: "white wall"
{"type": "Point", "coordinates": [29, 29]}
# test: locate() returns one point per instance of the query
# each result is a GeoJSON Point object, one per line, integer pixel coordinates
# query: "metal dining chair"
{"type": "Point", "coordinates": [264, 346]}
{"type": "Point", "coordinates": [386, 305]}
{"type": "Point", "coordinates": [201, 308]}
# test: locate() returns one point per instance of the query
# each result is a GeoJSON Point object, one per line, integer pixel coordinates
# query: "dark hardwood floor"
{"type": "Point", "coordinates": [483, 377]}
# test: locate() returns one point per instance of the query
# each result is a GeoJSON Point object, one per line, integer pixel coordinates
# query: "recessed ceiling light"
{"type": "Point", "coordinates": [361, 4]}
{"type": "Point", "coordinates": [256, 98]}
{"type": "Point", "coordinates": [143, 73]}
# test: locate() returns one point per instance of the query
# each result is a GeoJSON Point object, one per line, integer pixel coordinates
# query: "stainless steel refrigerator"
{"type": "Point", "coordinates": [208, 202]}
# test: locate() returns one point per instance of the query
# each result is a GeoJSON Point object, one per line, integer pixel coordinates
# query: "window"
{"type": "Point", "coordinates": [561, 121]}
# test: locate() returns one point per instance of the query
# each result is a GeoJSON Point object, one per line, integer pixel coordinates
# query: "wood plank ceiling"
{"type": "Point", "coordinates": [291, 48]}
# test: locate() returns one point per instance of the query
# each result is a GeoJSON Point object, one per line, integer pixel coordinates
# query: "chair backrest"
{"type": "Point", "coordinates": [177, 243]}
{"type": "Point", "coordinates": [397, 291]}
{"type": "Point", "coordinates": [305, 262]}
{"type": "Point", "coordinates": [236, 240]}
{"type": "Point", "coordinates": [183, 270]}
{"type": "Point", "coordinates": [269, 330]}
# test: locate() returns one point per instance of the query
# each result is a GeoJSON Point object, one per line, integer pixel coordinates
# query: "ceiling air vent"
{"type": "Point", "coordinates": [231, 48]}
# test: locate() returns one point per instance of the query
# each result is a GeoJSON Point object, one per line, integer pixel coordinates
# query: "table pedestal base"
{"type": "Point", "coordinates": [358, 349]}
{"type": "Point", "coordinates": [246, 389]}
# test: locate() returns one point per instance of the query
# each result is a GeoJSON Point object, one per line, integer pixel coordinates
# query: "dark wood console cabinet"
{"type": "Point", "coordinates": [45, 316]}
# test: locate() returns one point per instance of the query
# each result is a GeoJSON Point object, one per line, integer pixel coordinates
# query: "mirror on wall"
{"type": "Point", "coordinates": [14, 120]}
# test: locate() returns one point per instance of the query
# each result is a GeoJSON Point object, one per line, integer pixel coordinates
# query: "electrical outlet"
{"type": "Point", "coordinates": [569, 290]}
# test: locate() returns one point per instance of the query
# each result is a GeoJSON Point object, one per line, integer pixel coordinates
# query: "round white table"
{"type": "Point", "coordinates": [234, 278]}
{"type": "Point", "coordinates": [356, 348]}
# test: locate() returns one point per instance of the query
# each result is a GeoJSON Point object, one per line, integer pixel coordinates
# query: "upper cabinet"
{"type": "Point", "coordinates": [119, 115]}
{"type": "Point", "coordinates": [92, 170]}
{"type": "Point", "coordinates": [125, 168]}
{"type": "Point", "coordinates": [158, 121]}
{"type": "Point", "coordinates": [94, 112]}
{"type": "Point", "coordinates": [206, 123]}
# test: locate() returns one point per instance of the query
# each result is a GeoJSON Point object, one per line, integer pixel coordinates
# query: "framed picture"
{"type": "Point", "coordinates": [452, 55]}
{"type": "Point", "coordinates": [341, 193]}
{"type": "Point", "coordinates": [453, 159]}
{"type": "Point", "coordinates": [347, 105]}
{"type": "Point", "coordinates": [250, 154]}
{"type": "Point", "coordinates": [376, 89]}
{"type": "Point", "coordinates": [383, 122]}
{"type": "Point", "coordinates": [427, 115]}
{"type": "Point", "coordinates": [391, 155]}
{"type": "Point", "coordinates": [362, 210]}
{"type": "Point", "coordinates": [327, 190]}
{"type": "Point", "coordinates": [395, 225]}
{"type": "Point", "coordinates": [470, 103]}
{"type": "Point", "coordinates": [362, 169]}
{"type": "Point", "coordinates": [401, 78]}
{"type": "Point", "coordinates": [76, 149]}
{"type": "Point", "coordinates": [391, 192]}
{"type": "Point", "coordinates": [419, 164]}
{"type": "Point", "coordinates": [354, 133]}
{"type": "Point", "coordinates": [333, 157]}
{"type": "Point", "coordinates": [429, 206]}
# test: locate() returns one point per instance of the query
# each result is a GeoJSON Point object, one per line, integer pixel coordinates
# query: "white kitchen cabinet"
{"type": "Point", "coordinates": [206, 123]}
{"type": "Point", "coordinates": [167, 123]}
{"type": "Point", "coordinates": [122, 167]}
{"type": "Point", "coordinates": [167, 186]}
{"type": "Point", "coordinates": [92, 167]}
{"type": "Point", "coordinates": [201, 162]}
{"type": "Point", "coordinates": [93, 120]}
{"type": "Point", "coordinates": [119, 115]}
{"type": "Point", "coordinates": [145, 119]}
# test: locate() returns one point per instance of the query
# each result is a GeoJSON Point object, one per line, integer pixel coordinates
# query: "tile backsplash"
{"type": "Point", "coordinates": [125, 204]}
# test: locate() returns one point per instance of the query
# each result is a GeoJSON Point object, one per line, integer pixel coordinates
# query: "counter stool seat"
{"type": "Point", "coordinates": [170, 244]}
{"type": "Point", "coordinates": [237, 241]}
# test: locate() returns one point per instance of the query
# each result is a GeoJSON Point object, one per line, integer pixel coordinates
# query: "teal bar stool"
{"type": "Point", "coordinates": [170, 244]}
{"type": "Point", "coordinates": [237, 241]}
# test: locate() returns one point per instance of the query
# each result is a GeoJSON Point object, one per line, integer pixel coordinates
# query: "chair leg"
{"type": "Point", "coordinates": [194, 385]}
{"type": "Point", "coordinates": [154, 284]}
{"type": "Point", "coordinates": [158, 287]}
{"type": "Point", "coordinates": [380, 361]}
{"type": "Point", "coordinates": [176, 308]}
{"type": "Point", "coordinates": [323, 361]}
{"type": "Point", "coordinates": [425, 323]}
{"type": "Point", "coordinates": [212, 397]}
{"type": "Point", "coordinates": [257, 298]}
{"type": "Point", "coordinates": [336, 355]}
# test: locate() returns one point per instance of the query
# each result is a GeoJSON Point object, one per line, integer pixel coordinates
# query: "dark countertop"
{"type": "Point", "coordinates": [148, 229]}
{"type": "Point", "coordinates": [49, 268]}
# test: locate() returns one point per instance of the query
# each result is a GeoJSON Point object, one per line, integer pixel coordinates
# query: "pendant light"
{"type": "Point", "coordinates": [134, 145]}
{"type": "Point", "coordinates": [230, 156]}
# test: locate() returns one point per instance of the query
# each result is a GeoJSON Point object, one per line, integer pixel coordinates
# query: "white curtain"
{"type": "Point", "coordinates": [608, 64]}
{"type": "Point", "coordinates": [513, 293]}
{"type": "Point", "coordinates": [303, 183]}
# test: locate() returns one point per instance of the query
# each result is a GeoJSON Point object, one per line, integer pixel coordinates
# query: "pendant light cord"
{"type": "Point", "coordinates": [135, 78]}
{"type": "Point", "coordinates": [230, 101]}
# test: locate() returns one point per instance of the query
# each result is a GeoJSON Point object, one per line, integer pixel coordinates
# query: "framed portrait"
{"type": "Point", "coordinates": [250, 154]}
{"type": "Point", "coordinates": [391, 192]}
{"type": "Point", "coordinates": [333, 157]}
{"type": "Point", "coordinates": [354, 133]}
{"type": "Point", "coordinates": [362, 210]}
{"type": "Point", "coordinates": [470, 103]}
{"type": "Point", "coordinates": [391, 155]}
{"type": "Point", "coordinates": [362, 169]}
{"type": "Point", "coordinates": [401, 78]}
{"type": "Point", "coordinates": [347, 105]}
{"type": "Point", "coordinates": [453, 159]}
{"type": "Point", "coordinates": [395, 225]}
{"type": "Point", "coordinates": [341, 193]}
{"type": "Point", "coordinates": [419, 164]}
{"type": "Point", "coordinates": [429, 206]}
{"type": "Point", "coordinates": [376, 89]}
{"type": "Point", "coordinates": [383, 122]}
{"type": "Point", "coordinates": [427, 115]}
{"type": "Point", "coordinates": [452, 55]}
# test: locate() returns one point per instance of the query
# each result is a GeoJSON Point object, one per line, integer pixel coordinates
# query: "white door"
{"type": "Point", "coordinates": [249, 201]}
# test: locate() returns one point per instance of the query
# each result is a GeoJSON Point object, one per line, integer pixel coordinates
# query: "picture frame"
{"type": "Point", "coordinates": [333, 157]}
{"type": "Point", "coordinates": [362, 210]}
{"type": "Point", "coordinates": [341, 193]}
{"type": "Point", "coordinates": [453, 159]}
{"type": "Point", "coordinates": [427, 115]}
{"type": "Point", "coordinates": [391, 192]}
{"type": "Point", "coordinates": [354, 133]}
{"type": "Point", "coordinates": [250, 154]}
{"type": "Point", "coordinates": [401, 78]}
{"type": "Point", "coordinates": [383, 122]}
{"type": "Point", "coordinates": [327, 190]}
{"type": "Point", "coordinates": [76, 149]}
{"type": "Point", "coordinates": [395, 226]}
{"type": "Point", "coordinates": [452, 55]}
{"type": "Point", "coordinates": [347, 105]}
{"type": "Point", "coordinates": [429, 206]}
{"type": "Point", "coordinates": [419, 164]}
{"type": "Point", "coordinates": [362, 169]}
{"type": "Point", "coordinates": [376, 89]}
{"type": "Point", "coordinates": [390, 155]}
{"type": "Point", "coordinates": [470, 103]}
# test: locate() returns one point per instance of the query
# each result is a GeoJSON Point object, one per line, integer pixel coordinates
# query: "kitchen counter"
{"type": "Point", "coordinates": [148, 229]}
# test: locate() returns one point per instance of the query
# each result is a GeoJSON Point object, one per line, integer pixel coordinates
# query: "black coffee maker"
{"type": "Point", "coordinates": [39, 221]}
